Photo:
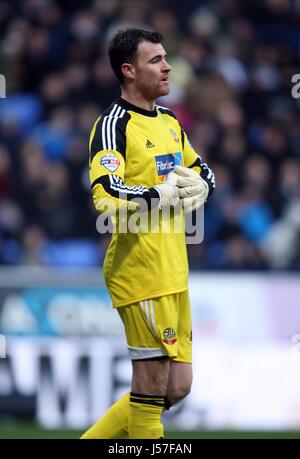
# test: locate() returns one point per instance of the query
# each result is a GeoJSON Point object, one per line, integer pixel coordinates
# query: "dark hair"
{"type": "Point", "coordinates": [123, 47]}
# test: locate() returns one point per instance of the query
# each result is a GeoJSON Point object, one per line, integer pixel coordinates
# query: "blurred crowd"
{"type": "Point", "coordinates": [232, 66]}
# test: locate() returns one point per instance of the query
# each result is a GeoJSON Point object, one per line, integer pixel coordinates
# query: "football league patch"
{"type": "Point", "coordinates": [110, 161]}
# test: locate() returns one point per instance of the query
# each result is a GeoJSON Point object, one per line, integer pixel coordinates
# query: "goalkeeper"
{"type": "Point", "coordinates": [139, 150]}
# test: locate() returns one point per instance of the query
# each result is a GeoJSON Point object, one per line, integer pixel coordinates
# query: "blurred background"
{"type": "Point", "coordinates": [63, 354]}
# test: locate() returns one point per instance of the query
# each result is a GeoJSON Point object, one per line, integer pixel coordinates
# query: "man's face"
{"type": "Point", "coordinates": [151, 70]}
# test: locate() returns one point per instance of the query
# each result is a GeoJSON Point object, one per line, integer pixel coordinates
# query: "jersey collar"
{"type": "Point", "coordinates": [134, 108]}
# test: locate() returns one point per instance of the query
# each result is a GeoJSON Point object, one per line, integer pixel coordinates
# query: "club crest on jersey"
{"type": "Point", "coordinates": [166, 163]}
{"type": "Point", "coordinates": [174, 135]}
{"type": "Point", "coordinates": [110, 161]}
{"type": "Point", "coordinates": [169, 336]}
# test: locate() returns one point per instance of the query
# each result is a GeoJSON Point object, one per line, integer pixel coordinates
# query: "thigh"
{"type": "Point", "coordinates": [150, 376]}
{"type": "Point", "coordinates": [180, 380]}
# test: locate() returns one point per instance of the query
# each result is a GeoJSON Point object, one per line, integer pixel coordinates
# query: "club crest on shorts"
{"type": "Point", "coordinates": [169, 336]}
{"type": "Point", "coordinates": [110, 161]}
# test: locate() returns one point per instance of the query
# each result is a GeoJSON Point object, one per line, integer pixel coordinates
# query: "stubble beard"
{"type": "Point", "coordinates": [151, 92]}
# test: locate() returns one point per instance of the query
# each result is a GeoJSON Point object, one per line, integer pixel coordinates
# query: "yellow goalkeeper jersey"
{"type": "Point", "coordinates": [132, 150]}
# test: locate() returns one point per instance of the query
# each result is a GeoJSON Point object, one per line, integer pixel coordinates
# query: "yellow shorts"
{"type": "Point", "coordinates": [159, 328]}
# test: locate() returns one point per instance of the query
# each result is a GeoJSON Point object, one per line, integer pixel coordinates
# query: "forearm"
{"type": "Point", "coordinates": [110, 191]}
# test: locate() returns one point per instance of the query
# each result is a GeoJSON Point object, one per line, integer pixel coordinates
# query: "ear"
{"type": "Point", "coordinates": [128, 71]}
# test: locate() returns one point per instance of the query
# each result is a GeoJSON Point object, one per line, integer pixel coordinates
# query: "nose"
{"type": "Point", "coordinates": [166, 66]}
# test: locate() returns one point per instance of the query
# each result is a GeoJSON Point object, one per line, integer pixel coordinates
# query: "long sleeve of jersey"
{"type": "Point", "coordinates": [107, 148]}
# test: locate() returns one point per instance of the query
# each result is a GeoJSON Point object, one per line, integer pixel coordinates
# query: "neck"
{"type": "Point", "coordinates": [137, 99]}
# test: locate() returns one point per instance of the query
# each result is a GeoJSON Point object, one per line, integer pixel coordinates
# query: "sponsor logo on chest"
{"type": "Point", "coordinates": [166, 163]}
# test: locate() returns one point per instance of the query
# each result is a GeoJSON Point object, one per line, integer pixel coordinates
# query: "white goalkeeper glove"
{"type": "Point", "coordinates": [168, 193]}
{"type": "Point", "coordinates": [192, 189]}
{"type": "Point", "coordinates": [190, 183]}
